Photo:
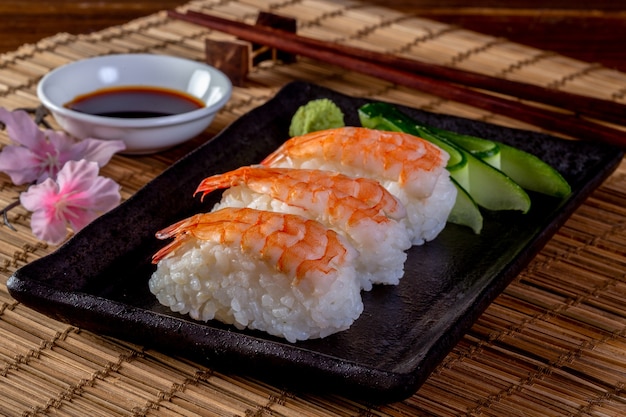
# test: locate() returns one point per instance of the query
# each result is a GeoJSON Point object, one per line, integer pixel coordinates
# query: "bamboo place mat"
{"type": "Point", "coordinates": [552, 344]}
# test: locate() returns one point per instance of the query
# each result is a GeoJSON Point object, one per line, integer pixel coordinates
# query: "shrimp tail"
{"type": "Point", "coordinates": [221, 181]}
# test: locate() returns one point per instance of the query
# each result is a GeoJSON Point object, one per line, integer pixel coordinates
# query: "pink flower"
{"type": "Point", "coordinates": [40, 154]}
{"type": "Point", "coordinates": [76, 198]}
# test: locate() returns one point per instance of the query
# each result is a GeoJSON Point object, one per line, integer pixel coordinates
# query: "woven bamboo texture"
{"type": "Point", "coordinates": [552, 344]}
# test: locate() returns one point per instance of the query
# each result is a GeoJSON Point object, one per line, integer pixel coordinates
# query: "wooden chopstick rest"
{"type": "Point", "coordinates": [236, 58]}
{"type": "Point", "coordinates": [233, 58]}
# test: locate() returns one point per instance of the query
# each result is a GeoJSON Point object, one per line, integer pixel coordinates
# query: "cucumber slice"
{"type": "Point", "coordinates": [460, 171]}
{"type": "Point", "coordinates": [489, 187]}
{"type": "Point", "coordinates": [465, 211]}
{"type": "Point", "coordinates": [484, 149]}
{"type": "Point", "coordinates": [492, 189]}
{"type": "Point", "coordinates": [532, 173]}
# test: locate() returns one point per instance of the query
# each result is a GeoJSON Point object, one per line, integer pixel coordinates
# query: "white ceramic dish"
{"type": "Point", "coordinates": [141, 135]}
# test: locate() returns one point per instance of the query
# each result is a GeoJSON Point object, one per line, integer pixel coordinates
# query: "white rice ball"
{"type": "Point", "coordinates": [381, 246]}
{"type": "Point", "coordinates": [208, 280]}
{"type": "Point", "coordinates": [426, 217]}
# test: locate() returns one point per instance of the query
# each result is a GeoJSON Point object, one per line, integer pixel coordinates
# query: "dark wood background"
{"type": "Point", "coordinates": [593, 31]}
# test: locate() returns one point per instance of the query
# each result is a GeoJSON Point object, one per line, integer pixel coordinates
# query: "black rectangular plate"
{"type": "Point", "coordinates": [98, 279]}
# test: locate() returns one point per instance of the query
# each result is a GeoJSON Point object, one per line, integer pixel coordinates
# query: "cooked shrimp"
{"type": "Point", "coordinates": [323, 191]}
{"type": "Point", "coordinates": [382, 155]}
{"type": "Point", "coordinates": [299, 247]}
{"type": "Point", "coordinates": [318, 195]}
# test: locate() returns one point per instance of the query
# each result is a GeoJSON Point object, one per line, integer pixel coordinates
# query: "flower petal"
{"type": "Point", "coordinates": [33, 158]}
{"type": "Point", "coordinates": [96, 150]}
{"type": "Point", "coordinates": [77, 197]}
{"type": "Point", "coordinates": [21, 128]}
{"type": "Point", "coordinates": [76, 176]}
{"type": "Point", "coordinates": [83, 207]}
{"type": "Point", "coordinates": [20, 164]}
{"type": "Point", "coordinates": [50, 229]}
{"type": "Point", "coordinates": [42, 199]}
{"type": "Point", "coordinates": [103, 195]}
{"type": "Point", "coordinates": [88, 195]}
{"type": "Point", "coordinates": [48, 150]}
{"type": "Point", "coordinates": [100, 151]}
{"type": "Point", "coordinates": [41, 196]}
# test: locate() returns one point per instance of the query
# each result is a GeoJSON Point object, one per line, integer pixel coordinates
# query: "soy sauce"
{"type": "Point", "coordinates": [135, 102]}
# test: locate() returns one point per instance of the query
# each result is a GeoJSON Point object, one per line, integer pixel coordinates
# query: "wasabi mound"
{"type": "Point", "coordinates": [316, 115]}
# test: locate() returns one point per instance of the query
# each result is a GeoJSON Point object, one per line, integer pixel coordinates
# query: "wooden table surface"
{"type": "Point", "coordinates": [571, 28]}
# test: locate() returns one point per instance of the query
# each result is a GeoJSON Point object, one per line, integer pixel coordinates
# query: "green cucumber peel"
{"type": "Point", "coordinates": [465, 211]}
{"type": "Point", "coordinates": [494, 190]}
{"type": "Point", "coordinates": [487, 186]}
{"type": "Point", "coordinates": [532, 173]}
{"type": "Point", "coordinates": [527, 170]}
{"type": "Point", "coordinates": [459, 171]}
{"type": "Point", "coordinates": [487, 150]}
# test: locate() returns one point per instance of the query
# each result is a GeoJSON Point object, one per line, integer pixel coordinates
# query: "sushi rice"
{"type": "Point", "coordinates": [208, 279]}
{"type": "Point", "coordinates": [382, 247]}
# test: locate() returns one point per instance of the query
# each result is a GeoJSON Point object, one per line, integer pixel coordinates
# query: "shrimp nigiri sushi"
{"type": "Point", "coordinates": [411, 168]}
{"type": "Point", "coordinates": [279, 273]}
{"type": "Point", "coordinates": [359, 208]}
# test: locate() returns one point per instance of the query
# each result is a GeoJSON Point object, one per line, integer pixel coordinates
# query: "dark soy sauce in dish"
{"type": "Point", "coordinates": [135, 102]}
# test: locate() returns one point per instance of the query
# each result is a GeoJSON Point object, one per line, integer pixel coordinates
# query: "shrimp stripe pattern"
{"type": "Point", "coordinates": [394, 156]}
{"type": "Point", "coordinates": [340, 195]}
{"type": "Point", "coordinates": [299, 247]}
